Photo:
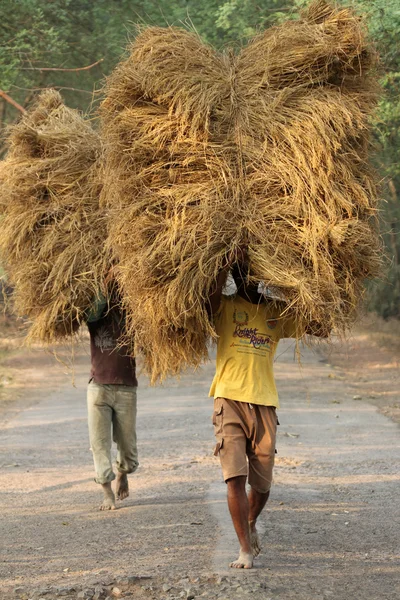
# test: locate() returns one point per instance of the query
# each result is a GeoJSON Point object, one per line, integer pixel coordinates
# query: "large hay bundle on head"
{"type": "Point", "coordinates": [207, 151]}
{"type": "Point", "coordinates": [52, 231]}
{"type": "Point", "coordinates": [310, 87]}
{"type": "Point", "coordinates": [172, 215]}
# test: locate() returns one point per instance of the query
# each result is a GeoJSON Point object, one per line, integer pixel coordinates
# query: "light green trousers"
{"type": "Point", "coordinates": [112, 407]}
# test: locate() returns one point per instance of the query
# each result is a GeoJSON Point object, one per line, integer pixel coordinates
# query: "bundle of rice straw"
{"type": "Point", "coordinates": [207, 151]}
{"type": "Point", "coordinates": [52, 232]}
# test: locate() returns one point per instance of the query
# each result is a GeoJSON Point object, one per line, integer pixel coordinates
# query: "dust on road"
{"type": "Point", "coordinates": [331, 529]}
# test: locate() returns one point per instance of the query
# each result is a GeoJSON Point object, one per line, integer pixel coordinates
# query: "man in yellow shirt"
{"type": "Point", "coordinates": [249, 327]}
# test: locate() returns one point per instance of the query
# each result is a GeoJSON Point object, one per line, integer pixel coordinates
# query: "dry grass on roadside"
{"type": "Point", "coordinates": [386, 333]}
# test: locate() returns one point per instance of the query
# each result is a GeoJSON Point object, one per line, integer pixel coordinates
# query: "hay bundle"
{"type": "Point", "coordinates": [52, 231]}
{"type": "Point", "coordinates": [207, 151]}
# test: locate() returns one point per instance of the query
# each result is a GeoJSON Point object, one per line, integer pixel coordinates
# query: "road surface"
{"type": "Point", "coordinates": [331, 528]}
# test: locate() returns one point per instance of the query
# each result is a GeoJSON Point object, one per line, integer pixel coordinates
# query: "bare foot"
{"type": "Point", "coordinates": [254, 539]}
{"type": "Point", "coordinates": [122, 488]}
{"type": "Point", "coordinates": [245, 561]}
{"type": "Point", "coordinates": [109, 498]}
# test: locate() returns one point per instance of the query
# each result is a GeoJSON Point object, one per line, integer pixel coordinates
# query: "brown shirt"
{"type": "Point", "coordinates": [111, 362]}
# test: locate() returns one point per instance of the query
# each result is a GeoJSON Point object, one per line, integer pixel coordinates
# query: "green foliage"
{"type": "Point", "coordinates": [24, 41]}
{"type": "Point", "coordinates": [75, 33]}
{"type": "Point", "coordinates": [243, 18]}
{"type": "Point", "coordinates": [64, 34]}
{"type": "Point", "coordinates": [384, 26]}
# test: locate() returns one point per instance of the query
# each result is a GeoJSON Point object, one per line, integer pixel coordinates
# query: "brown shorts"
{"type": "Point", "coordinates": [246, 436]}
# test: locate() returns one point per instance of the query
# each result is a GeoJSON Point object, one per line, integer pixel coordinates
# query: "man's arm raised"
{"type": "Point", "coordinates": [214, 299]}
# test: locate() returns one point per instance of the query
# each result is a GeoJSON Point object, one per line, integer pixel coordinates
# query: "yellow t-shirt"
{"type": "Point", "coordinates": [248, 338]}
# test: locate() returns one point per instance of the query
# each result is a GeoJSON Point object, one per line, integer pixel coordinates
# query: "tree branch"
{"type": "Point", "coordinates": [53, 87]}
{"type": "Point", "coordinates": [12, 102]}
{"type": "Point", "coordinates": [60, 69]}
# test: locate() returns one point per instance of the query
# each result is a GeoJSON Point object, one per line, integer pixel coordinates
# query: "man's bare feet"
{"type": "Point", "coordinates": [122, 488]}
{"type": "Point", "coordinates": [109, 498]}
{"type": "Point", "coordinates": [254, 539]}
{"type": "Point", "coordinates": [245, 561]}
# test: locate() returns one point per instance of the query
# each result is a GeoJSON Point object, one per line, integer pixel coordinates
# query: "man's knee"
{"type": "Point", "coordinates": [236, 484]}
{"type": "Point", "coordinates": [127, 466]}
{"type": "Point", "coordinates": [262, 493]}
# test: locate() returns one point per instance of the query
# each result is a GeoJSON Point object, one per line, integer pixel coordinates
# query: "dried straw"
{"type": "Point", "coordinates": [207, 151]}
{"type": "Point", "coordinates": [52, 231]}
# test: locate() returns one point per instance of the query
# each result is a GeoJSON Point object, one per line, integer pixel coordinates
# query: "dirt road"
{"type": "Point", "coordinates": [331, 529]}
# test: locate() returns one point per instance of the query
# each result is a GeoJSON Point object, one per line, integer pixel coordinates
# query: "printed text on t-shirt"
{"type": "Point", "coordinates": [257, 340]}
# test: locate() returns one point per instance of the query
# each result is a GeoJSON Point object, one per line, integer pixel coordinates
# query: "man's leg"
{"type": "Point", "coordinates": [231, 431]}
{"type": "Point", "coordinates": [99, 421]}
{"type": "Point", "coordinates": [124, 433]}
{"type": "Point", "coordinates": [257, 501]}
{"type": "Point", "coordinates": [239, 508]}
{"type": "Point", "coordinates": [261, 455]}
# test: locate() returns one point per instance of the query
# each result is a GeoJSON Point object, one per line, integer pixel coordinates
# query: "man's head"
{"type": "Point", "coordinates": [245, 289]}
{"type": "Point", "coordinates": [239, 273]}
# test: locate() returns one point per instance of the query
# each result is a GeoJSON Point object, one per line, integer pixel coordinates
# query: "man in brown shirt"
{"type": "Point", "coordinates": [111, 399]}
